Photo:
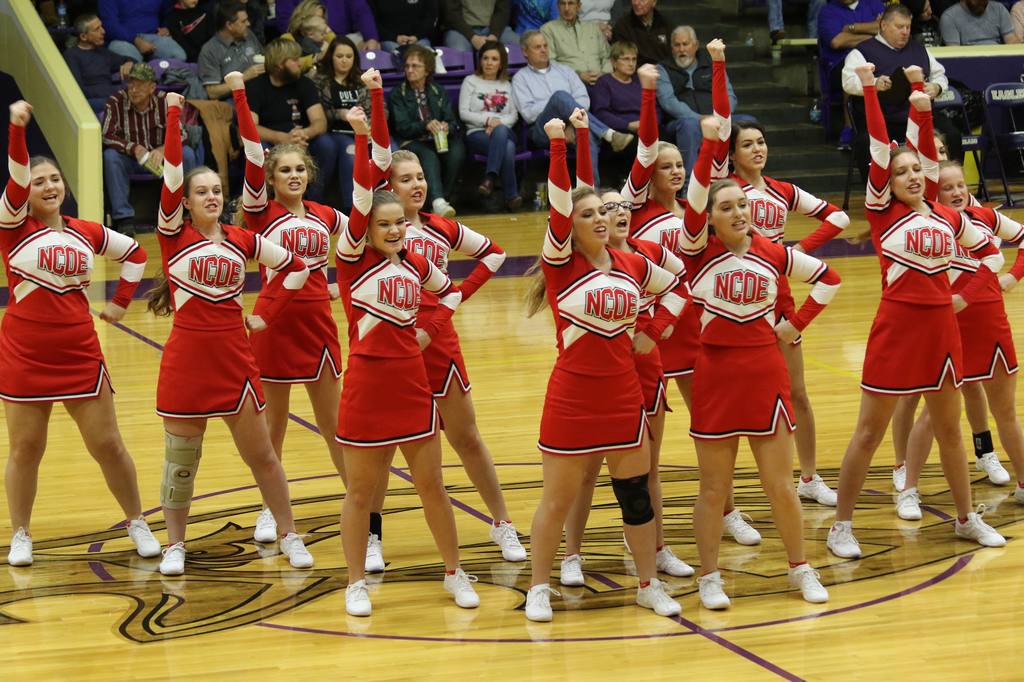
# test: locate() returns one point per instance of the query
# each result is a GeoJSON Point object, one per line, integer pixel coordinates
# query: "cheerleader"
{"type": "Point", "coordinates": [386, 401]}
{"type": "Point", "coordinates": [594, 406]}
{"type": "Point", "coordinates": [654, 181]}
{"type": "Point", "coordinates": [916, 242]}
{"type": "Point", "coordinates": [301, 346]}
{"type": "Point", "coordinates": [208, 369]}
{"type": "Point", "coordinates": [49, 351]}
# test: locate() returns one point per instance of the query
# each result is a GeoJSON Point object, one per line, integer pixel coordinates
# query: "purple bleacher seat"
{"type": "Point", "coordinates": [457, 64]}
{"type": "Point", "coordinates": [378, 59]}
{"type": "Point", "coordinates": [516, 58]}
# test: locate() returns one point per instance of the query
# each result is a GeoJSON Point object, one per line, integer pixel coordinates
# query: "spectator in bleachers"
{"type": "Point", "coordinates": [1017, 17]}
{"type": "Point", "coordinates": [602, 13]}
{"type": "Point", "coordinates": [287, 108]}
{"type": "Point", "coordinates": [136, 30]}
{"type": "Point", "coordinates": [544, 90]}
{"type": "Point", "coordinates": [233, 47]}
{"type": "Point", "coordinates": [977, 22]}
{"type": "Point", "coordinates": [530, 15]}
{"type": "Point", "coordinates": [93, 65]}
{"type": "Point", "coordinates": [471, 23]}
{"type": "Point", "coordinates": [645, 27]}
{"type": "Point", "coordinates": [404, 22]}
{"type": "Point", "coordinates": [579, 45]}
{"type": "Point", "coordinates": [191, 24]}
{"type": "Point", "coordinates": [684, 92]}
{"type": "Point", "coordinates": [423, 118]}
{"type": "Point", "coordinates": [777, 25]}
{"type": "Point", "coordinates": [133, 136]}
{"type": "Point", "coordinates": [256, 10]}
{"type": "Point", "coordinates": [313, 36]}
{"type": "Point", "coordinates": [615, 98]}
{"type": "Point", "coordinates": [488, 109]}
{"type": "Point", "coordinates": [351, 18]}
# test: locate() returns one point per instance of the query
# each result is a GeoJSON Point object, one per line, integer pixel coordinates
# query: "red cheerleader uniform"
{"type": "Point", "coordinates": [48, 345]}
{"type": "Point", "coordinates": [914, 344]}
{"type": "Point", "coordinates": [208, 368]}
{"type": "Point", "coordinates": [385, 396]}
{"type": "Point", "coordinates": [303, 341]}
{"type": "Point", "coordinates": [593, 402]}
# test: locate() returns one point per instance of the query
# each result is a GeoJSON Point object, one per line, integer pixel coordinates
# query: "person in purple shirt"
{"type": "Point", "coordinates": [615, 97]}
{"type": "Point", "coordinates": [94, 67]}
{"type": "Point", "coordinates": [137, 31]}
{"type": "Point", "coordinates": [345, 17]}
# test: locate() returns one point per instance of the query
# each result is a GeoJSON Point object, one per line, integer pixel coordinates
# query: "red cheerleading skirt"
{"type": "Point", "coordinates": [652, 381]}
{"type": "Point", "coordinates": [299, 345]}
{"type": "Point", "coordinates": [586, 414]}
{"type": "Point", "coordinates": [912, 348]}
{"type": "Point", "coordinates": [442, 358]}
{"type": "Point", "coordinates": [740, 391]}
{"type": "Point", "coordinates": [385, 401]}
{"type": "Point", "coordinates": [987, 340]}
{"type": "Point", "coordinates": [679, 351]}
{"type": "Point", "coordinates": [207, 374]}
{"type": "Point", "coordinates": [47, 362]}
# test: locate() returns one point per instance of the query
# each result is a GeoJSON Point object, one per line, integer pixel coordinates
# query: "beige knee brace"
{"type": "Point", "coordinates": [181, 462]}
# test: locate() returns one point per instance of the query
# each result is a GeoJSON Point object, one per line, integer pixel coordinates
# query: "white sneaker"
{"type": "Point", "coordinates": [443, 208]}
{"type": "Point", "coordinates": [21, 549]}
{"type": "Point", "coordinates": [908, 505]}
{"type": "Point", "coordinates": [1018, 494]}
{"type": "Point", "coordinates": [735, 524]}
{"type": "Point", "coordinates": [294, 548]}
{"type": "Point", "coordinates": [989, 463]}
{"type": "Point", "coordinates": [145, 544]}
{"type": "Point", "coordinates": [667, 562]}
{"type": "Point", "coordinates": [817, 490]}
{"type": "Point", "coordinates": [374, 562]}
{"type": "Point", "coordinates": [655, 597]}
{"type": "Point", "coordinates": [712, 592]}
{"type": "Point", "coordinates": [461, 586]}
{"type": "Point", "coordinates": [357, 599]}
{"type": "Point", "coordinates": [266, 527]}
{"type": "Point", "coordinates": [809, 582]}
{"type": "Point", "coordinates": [979, 531]}
{"type": "Point", "coordinates": [505, 536]}
{"type": "Point", "coordinates": [572, 571]}
{"type": "Point", "coordinates": [841, 541]}
{"type": "Point", "coordinates": [173, 562]}
{"type": "Point", "coordinates": [899, 477]}
{"type": "Point", "coordinates": [538, 603]}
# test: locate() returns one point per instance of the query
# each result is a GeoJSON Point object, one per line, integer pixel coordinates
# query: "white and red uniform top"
{"type": "Point", "coordinates": [595, 312]}
{"type": "Point", "coordinates": [207, 278]}
{"type": "Point", "coordinates": [915, 250]}
{"type": "Point", "coordinates": [49, 270]}
{"type": "Point", "coordinates": [382, 297]}
{"type": "Point", "coordinates": [965, 266]}
{"type": "Point", "coordinates": [770, 208]}
{"type": "Point", "coordinates": [308, 237]}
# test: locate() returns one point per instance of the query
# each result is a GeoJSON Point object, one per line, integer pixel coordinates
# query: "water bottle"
{"type": "Point", "coordinates": [749, 42]}
{"type": "Point", "coordinates": [816, 112]}
{"type": "Point", "coordinates": [62, 15]}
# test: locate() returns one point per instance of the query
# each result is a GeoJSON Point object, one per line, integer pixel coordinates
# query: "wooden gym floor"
{"type": "Point", "coordinates": [919, 605]}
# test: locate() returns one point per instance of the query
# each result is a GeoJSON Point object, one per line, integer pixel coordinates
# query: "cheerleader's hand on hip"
{"type": "Point", "coordinates": [422, 338]}
{"type": "Point", "coordinates": [669, 331]}
{"type": "Point", "coordinates": [786, 332]}
{"type": "Point", "coordinates": [958, 303]}
{"type": "Point", "coordinates": [642, 344]}
{"type": "Point", "coordinates": [333, 291]}
{"type": "Point", "coordinates": [1007, 282]}
{"type": "Point", "coordinates": [255, 323]}
{"type": "Point", "coordinates": [112, 313]}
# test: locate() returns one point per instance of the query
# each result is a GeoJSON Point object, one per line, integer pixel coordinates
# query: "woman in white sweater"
{"type": "Point", "coordinates": [487, 109]}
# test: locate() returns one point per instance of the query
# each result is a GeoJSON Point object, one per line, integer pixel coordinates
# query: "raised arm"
{"type": "Point", "coordinates": [352, 237]}
{"type": "Point", "coordinates": [878, 195]}
{"type": "Point", "coordinates": [489, 258]}
{"type": "Point", "coordinates": [638, 182]}
{"type": "Point", "coordinates": [921, 131]}
{"type": "Point", "coordinates": [695, 219]}
{"type": "Point", "coordinates": [380, 149]}
{"type": "Point", "coordinates": [14, 202]}
{"type": "Point", "coordinates": [584, 166]}
{"type": "Point", "coordinates": [558, 240]}
{"type": "Point", "coordinates": [721, 105]}
{"type": "Point", "coordinates": [254, 191]}
{"type": "Point", "coordinates": [171, 210]}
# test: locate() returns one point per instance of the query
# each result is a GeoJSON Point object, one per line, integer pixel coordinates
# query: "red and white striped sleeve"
{"type": "Point", "coordinates": [489, 258]}
{"type": "Point", "coordinates": [352, 237]}
{"type": "Point", "coordinates": [695, 218]}
{"type": "Point", "coordinates": [584, 164]}
{"type": "Point", "coordinates": [557, 248]}
{"type": "Point", "coordinates": [254, 190]}
{"type": "Point", "coordinates": [279, 290]}
{"type": "Point", "coordinates": [436, 281]}
{"type": "Point", "coordinates": [171, 194]}
{"type": "Point", "coordinates": [723, 112]}
{"type": "Point", "coordinates": [638, 182]}
{"type": "Point", "coordinates": [14, 202]}
{"type": "Point", "coordinates": [879, 194]}
{"type": "Point", "coordinates": [380, 147]}
{"type": "Point", "coordinates": [833, 219]}
{"type": "Point", "coordinates": [979, 243]}
{"type": "Point", "coordinates": [669, 306]}
{"type": "Point", "coordinates": [1007, 229]}
{"type": "Point", "coordinates": [132, 257]}
{"type": "Point", "coordinates": [807, 268]}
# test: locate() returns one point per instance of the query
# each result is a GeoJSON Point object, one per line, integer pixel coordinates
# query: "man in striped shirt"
{"type": "Point", "coordinates": [134, 120]}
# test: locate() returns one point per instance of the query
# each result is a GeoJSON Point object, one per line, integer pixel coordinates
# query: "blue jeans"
{"type": "Point", "coordinates": [500, 150]}
{"type": "Point", "coordinates": [687, 135]}
{"type": "Point", "coordinates": [391, 46]}
{"type": "Point", "coordinates": [561, 106]}
{"type": "Point", "coordinates": [165, 46]}
{"type": "Point", "coordinates": [325, 153]}
{"type": "Point", "coordinates": [776, 23]}
{"type": "Point", "coordinates": [344, 165]}
{"type": "Point", "coordinates": [116, 169]}
{"type": "Point", "coordinates": [457, 41]}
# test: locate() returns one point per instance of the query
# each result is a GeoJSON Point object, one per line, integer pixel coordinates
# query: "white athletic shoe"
{"type": "Point", "coordinates": [667, 562]}
{"type": "Point", "coordinates": [294, 548]}
{"type": "Point", "coordinates": [817, 490]}
{"type": "Point", "coordinates": [979, 531]}
{"type": "Point", "coordinates": [735, 524]}
{"type": "Point", "coordinates": [461, 586]}
{"type": "Point", "coordinates": [21, 549]}
{"type": "Point", "coordinates": [809, 582]}
{"type": "Point", "coordinates": [841, 541]}
{"type": "Point", "coordinates": [374, 562]}
{"type": "Point", "coordinates": [357, 599]}
{"type": "Point", "coordinates": [443, 208]}
{"type": "Point", "coordinates": [145, 544]}
{"type": "Point", "coordinates": [266, 527]}
{"type": "Point", "coordinates": [989, 463]}
{"type": "Point", "coordinates": [505, 536]}
{"type": "Point", "coordinates": [173, 562]}
{"type": "Point", "coordinates": [908, 505]}
{"type": "Point", "coordinates": [538, 603]}
{"type": "Point", "coordinates": [1018, 494]}
{"type": "Point", "coordinates": [572, 571]}
{"type": "Point", "coordinates": [899, 477]}
{"type": "Point", "coordinates": [712, 591]}
{"type": "Point", "coordinates": [655, 597]}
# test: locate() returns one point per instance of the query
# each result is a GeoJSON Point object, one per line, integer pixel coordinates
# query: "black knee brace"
{"type": "Point", "coordinates": [634, 499]}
